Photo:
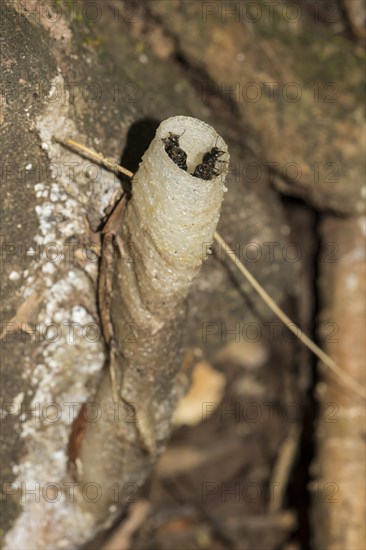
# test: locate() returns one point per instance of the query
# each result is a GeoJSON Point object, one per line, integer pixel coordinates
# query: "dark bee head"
{"type": "Point", "coordinates": [212, 156]}
{"type": "Point", "coordinates": [172, 140]}
{"type": "Point", "coordinates": [216, 152]}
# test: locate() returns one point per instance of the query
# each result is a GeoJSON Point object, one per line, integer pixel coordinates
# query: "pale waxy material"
{"type": "Point", "coordinates": [167, 227]}
{"type": "Point", "coordinates": [172, 212]}
{"type": "Point", "coordinates": [181, 210]}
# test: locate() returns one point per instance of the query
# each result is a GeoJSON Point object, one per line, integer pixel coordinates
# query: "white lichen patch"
{"type": "Point", "coordinates": [70, 350]}
{"type": "Point", "coordinates": [59, 509]}
{"type": "Point", "coordinates": [75, 176]}
{"type": "Point", "coordinates": [69, 359]}
{"type": "Point", "coordinates": [68, 362]}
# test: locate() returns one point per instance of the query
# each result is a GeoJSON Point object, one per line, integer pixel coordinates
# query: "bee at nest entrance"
{"type": "Point", "coordinates": [206, 170]}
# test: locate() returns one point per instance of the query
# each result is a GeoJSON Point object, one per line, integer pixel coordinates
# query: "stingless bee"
{"type": "Point", "coordinates": [176, 153]}
{"type": "Point", "coordinates": [207, 169]}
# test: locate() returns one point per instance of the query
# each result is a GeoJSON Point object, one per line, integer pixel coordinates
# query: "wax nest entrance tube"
{"type": "Point", "coordinates": [163, 238]}
{"type": "Point", "coordinates": [165, 194]}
